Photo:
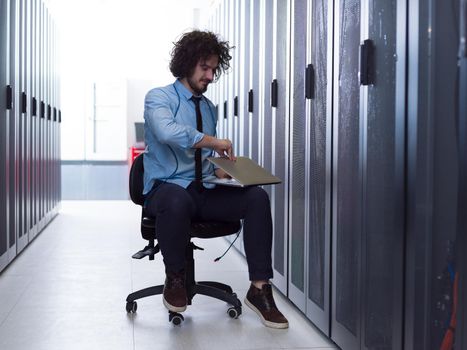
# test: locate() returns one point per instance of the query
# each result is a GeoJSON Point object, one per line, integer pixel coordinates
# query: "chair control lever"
{"type": "Point", "coordinates": [147, 251]}
{"type": "Point", "coordinates": [195, 247]}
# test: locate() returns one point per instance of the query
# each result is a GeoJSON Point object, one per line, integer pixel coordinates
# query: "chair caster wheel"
{"type": "Point", "coordinates": [234, 312]}
{"type": "Point", "coordinates": [175, 318]}
{"type": "Point", "coordinates": [131, 307]}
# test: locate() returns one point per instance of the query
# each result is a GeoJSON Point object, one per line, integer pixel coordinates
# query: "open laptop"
{"type": "Point", "coordinates": [244, 172]}
{"type": "Point", "coordinates": [139, 134]}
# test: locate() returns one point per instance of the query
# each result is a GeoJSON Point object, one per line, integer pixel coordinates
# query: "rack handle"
{"type": "Point", "coordinates": [367, 76]}
{"type": "Point", "coordinates": [236, 106]}
{"type": "Point", "coordinates": [24, 102]}
{"type": "Point", "coordinates": [34, 107]}
{"type": "Point", "coordinates": [250, 101]}
{"type": "Point", "coordinates": [274, 88]}
{"type": "Point", "coordinates": [9, 97]}
{"type": "Point", "coordinates": [309, 82]}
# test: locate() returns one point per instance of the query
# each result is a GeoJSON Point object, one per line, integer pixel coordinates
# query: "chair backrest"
{"type": "Point", "coordinates": [137, 180]}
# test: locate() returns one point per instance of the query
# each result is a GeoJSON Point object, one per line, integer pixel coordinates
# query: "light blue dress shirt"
{"type": "Point", "coordinates": [170, 133]}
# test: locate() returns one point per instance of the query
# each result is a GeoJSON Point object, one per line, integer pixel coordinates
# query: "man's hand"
{"type": "Point", "coordinates": [223, 147]}
{"type": "Point", "coordinates": [221, 174]}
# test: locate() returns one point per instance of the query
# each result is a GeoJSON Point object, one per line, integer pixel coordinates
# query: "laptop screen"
{"type": "Point", "coordinates": [139, 132]}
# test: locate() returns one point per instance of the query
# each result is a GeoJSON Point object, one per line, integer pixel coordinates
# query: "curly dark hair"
{"type": "Point", "coordinates": [196, 45]}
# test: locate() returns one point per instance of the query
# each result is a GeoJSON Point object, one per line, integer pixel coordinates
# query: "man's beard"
{"type": "Point", "coordinates": [195, 88]}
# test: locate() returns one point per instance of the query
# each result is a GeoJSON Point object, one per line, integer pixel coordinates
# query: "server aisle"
{"type": "Point", "coordinates": [29, 117]}
{"type": "Point", "coordinates": [353, 105]}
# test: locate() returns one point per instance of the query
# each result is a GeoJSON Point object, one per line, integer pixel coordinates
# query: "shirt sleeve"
{"type": "Point", "coordinates": [161, 121]}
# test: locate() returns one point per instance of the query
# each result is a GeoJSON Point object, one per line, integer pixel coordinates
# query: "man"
{"type": "Point", "coordinates": [176, 162]}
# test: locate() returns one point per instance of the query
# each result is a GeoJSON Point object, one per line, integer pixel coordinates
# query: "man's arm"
{"type": "Point", "coordinates": [161, 121]}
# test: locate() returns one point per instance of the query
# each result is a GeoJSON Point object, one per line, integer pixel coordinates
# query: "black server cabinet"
{"type": "Point", "coordinates": [47, 116]}
{"type": "Point", "coordinates": [383, 174]}
{"type": "Point", "coordinates": [461, 333]}
{"type": "Point", "coordinates": [434, 185]}
{"type": "Point", "coordinates": [13, 145]}
{"type": "Point", "coordinates": [265, 131]}
{"type": "Point", "coordinates": [244, 146]}
{"type": "Point", "coordinates": [297, 151]}
{"type": "Point", "coordinates": [29, 124]}
{"type": "Point", "coordinates": [35, 106]}
{"type": "Point", "coordinates": [347, 184]}
{"type": "Point", "coordinates": [236, 75]}
{"type": "Point", "coordinates": [5, 93]}
{"type": "Point", "coordinates": [42, 155]}
{"type": "Point", "coordinates": [244, 81]}
{"type": "Point", "coordinates": [254, 92]}
{"type": "Point", "coordinates": [222, 103]}
{"type": "Point", "coordinates": [369, 169]}
{"type": "Point", "coordinates": [280, 128]}
{"type": "Point", "coordinates": [229, 36]}
{"type": "Point", "coordinates": [225, 78]}
{"type": "Point", "coordinates": [21, 239]}
{"type": "Point", "coordinates": [318, 93]}
{"type": "Point", "coordinates": [40, 113]}
{"type": "Point", "coordinates": [55, 146]}
{"type": "Point", "coordinates": [32, 99]}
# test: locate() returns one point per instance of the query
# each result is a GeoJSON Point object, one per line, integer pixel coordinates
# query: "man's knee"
{"type": "Point", "coordinates": [176, 201]}
{"type": "Point", "coordinates": [258, 195]}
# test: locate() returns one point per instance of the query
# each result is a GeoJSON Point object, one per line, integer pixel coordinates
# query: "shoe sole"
{"type": "Point", "coordinates": [266, 322]}
{"type": "Point", "coordinates": [173, 308]}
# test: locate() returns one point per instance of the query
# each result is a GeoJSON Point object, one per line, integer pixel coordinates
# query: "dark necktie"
{"type": "Point", "coordinates": [199, 126]}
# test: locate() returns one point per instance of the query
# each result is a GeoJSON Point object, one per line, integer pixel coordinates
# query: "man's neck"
{"type": "Point", "coordinates": [184, 81]}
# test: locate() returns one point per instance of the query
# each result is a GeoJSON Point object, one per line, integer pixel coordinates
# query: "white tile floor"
{"type": "Point", "coordinates": [67, 290]}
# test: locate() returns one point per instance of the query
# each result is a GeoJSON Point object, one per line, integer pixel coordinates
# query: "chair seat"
{"type": "Point", "coordinates": [202, 229]}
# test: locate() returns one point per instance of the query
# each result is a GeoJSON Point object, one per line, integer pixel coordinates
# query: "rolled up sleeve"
{"type": "Point", "coordinates": [161, 121]}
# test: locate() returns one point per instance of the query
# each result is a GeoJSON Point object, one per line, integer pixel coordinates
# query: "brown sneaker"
{"type": "Point", "coordinates": [262, 302]}
{"type": "Point", "coordinates": [174, 296]}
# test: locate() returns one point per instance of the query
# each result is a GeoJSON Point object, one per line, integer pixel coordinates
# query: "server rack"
{"type": "Point", "coordinates": [21, 238]}
{"type": "Point", "coordinates": [4, 129]}
{"type": "Point", "coordinates": [318, 95]}
{"type": "Point", "coordinates": [296, 165]}
{"type": "Point", "coordinates": [29, 146]}
{"type": "Point", "coordinates": [265, 79]}
{"type": "Point", "coordinates": [280, 140]}
{"type": "Point", "coordinates": [222, 124]}
{"type": "Point", "coordinates": [360, 134]}
{"type": "Point", "coordinates": [369, 163]}
{"type": "Point", "coordinates": [14, 137]}
{"type": "Point", "coordinates": [346, 176]}
{"type": "Point", "coordinates": [244, 67]}
{"type": "Point", "coordinates": [236, 74]}
{"type": "Point", "coordinates": [35, 106]}
{"type": "Point", "coordinates": [433, 181]}
{"type": "Point", "coordinates": [230, 75]}
{"type": "Point", "coordinates": [28, 117]}
{"type": "Point", "coordinates": [461, 332]}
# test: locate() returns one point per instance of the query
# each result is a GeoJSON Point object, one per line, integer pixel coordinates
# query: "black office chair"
{"type": "Point", "coordinates": [204, 229]}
